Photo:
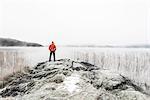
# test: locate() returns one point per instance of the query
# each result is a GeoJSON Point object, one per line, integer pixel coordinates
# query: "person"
{"type": "Point", "coordinates": [52, 49]}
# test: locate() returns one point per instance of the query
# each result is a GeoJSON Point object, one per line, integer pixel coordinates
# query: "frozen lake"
{"type": "Point", "coordinates": [131, 62]}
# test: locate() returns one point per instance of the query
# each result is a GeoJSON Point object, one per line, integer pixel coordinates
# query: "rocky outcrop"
{"type": "Point", "coordinates": [69, 80]}
{"type": "Point", "coordinates": [13, 42]}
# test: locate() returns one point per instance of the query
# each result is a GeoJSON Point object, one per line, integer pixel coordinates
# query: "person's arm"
{"type": "Point", "coordinates": [49, 47]}
{"type": "Point", "coordinates": [55, 48]}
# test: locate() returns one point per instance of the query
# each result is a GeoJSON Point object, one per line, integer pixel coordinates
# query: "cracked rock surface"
{"type": "Point", "coordinates": [69, 80]}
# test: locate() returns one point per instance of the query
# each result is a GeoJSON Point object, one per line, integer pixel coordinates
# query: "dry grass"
{"type": "Point", "coordinates": [11, 63]}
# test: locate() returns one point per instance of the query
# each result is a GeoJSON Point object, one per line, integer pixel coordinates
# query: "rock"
{"type": "Point", "coordinates": [58, 78]}
{"type": "Point", "coordinates": [69, 80]}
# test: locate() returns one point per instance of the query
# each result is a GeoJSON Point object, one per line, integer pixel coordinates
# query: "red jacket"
{"type": "Point", "coordinates": [52, 47]}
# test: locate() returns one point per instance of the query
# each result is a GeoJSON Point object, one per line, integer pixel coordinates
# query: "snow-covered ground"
{"type": "Point", "coordinates": [133, 63]}
{"type": "Point", "coordinates": [70, 80]}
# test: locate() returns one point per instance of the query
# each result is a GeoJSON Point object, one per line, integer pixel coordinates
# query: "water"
{"type": "Point", "coordinates": [131, 62]}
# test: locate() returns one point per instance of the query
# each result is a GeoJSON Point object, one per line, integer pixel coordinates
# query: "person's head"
{"type": "Point", "coordinates": [52, 42]}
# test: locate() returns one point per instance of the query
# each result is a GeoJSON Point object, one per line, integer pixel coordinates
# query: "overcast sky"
{"type": "Point", "coordinates": [100, 22]}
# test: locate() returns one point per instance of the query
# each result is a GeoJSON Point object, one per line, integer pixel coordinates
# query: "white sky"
{"type": "Point", "coordinates": [100, 22]}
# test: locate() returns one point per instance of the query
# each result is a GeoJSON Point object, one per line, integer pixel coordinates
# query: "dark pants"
{"type": "Point", "coordinates": [52, 53]}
